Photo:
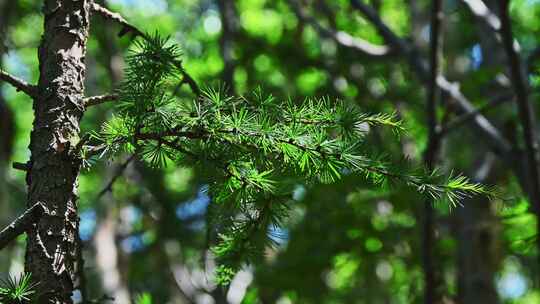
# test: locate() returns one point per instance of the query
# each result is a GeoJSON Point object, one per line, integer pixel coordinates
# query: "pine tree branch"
{"type": "Point", "coordinates": [342, 38]}
{"type": "Point", "coordinates": [20, 225]}
{"type": "Point", "coordinates": [19, 84]}
{"type": "Point", "coordinates": [97, 100]}
{"type": "Point", "coordinates": [116, 17]}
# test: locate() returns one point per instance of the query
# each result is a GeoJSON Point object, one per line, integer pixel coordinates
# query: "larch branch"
{"type": "Point", "coordinates": [19, 84]}
{"type": "Point", "coordinates": [20, 225]}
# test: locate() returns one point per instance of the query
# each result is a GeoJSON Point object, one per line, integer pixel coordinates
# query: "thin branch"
{"type": "Point", "coordinates": [340, 37]}
{"type": "Point", "coordinates": [97, 100]}
{"type": "Point", "coordinates": [481, 11]}
{"type": "Point", "coordinates": [495, 139]}
{"type": "Point", "coordinates": [20, 225]}
{"type": "Point", "coordinates": [119, 172]}
{"type": "Point", "coordinates": [456, 123]}
{"type": "Point", "coordinates": [525, 109]}
{"type": "Point", "coordinates": [19, 84]}
{"type": "Point", "coordinates": [107, 14]}
{"type": "Point", "coordinates": [128, 27]}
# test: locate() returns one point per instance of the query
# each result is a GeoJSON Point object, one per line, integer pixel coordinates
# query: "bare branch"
{"type": "Point", "coordinates": [19, 84]}
{"type": "Point", "coordinates": [20, 166]}
{"type": "Point", "coordinates": [97, 100]}
{"type": "Point", "coordinates": [495, 139]}
{"type": "Point", "coordinates": [20, 225]}
{"type": "Point", "coordinates": [340, 37]}
{"type": "Point", "coordinates": [119, 172]}
{"type": "Point", "coordinates": [116, 17]}
{"type": "Point", "coordinates": [454, 124]}
{"type": "Point", "coordinates": [480, 10]}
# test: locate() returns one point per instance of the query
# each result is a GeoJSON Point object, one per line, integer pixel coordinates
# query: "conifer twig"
{"type": "Point", "coordinates": [97, 100]}
{"type": "Point", "coordinates": [20, 225]}
{"type": "Point", "coordinates": [19, 84]}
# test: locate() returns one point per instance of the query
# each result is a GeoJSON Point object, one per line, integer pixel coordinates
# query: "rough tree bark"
{"type": "Point", "coordinates": [54, 164]}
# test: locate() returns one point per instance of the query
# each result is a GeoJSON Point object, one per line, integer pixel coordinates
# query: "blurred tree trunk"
{"type": "Point", "coordinates": [230, 24]}
{"type": "Point", "coordinates": [107, 259]}
{"type": "Point", "coordinates": [54, 166]}
{"type": "Point", "coordinates": [7, 133]}
{"type": "Point", "coordinates": [478, 245]}
{"type": "Point", "coordinates": [478, 226]}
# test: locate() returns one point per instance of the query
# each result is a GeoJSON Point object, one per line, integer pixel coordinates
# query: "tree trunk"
{"type": "Point", "coordinates": [54, 164]}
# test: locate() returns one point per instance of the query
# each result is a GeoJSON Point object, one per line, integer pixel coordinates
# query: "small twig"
{"type": "Point", "coordinates": [107, 14]}
{"type": "Point", "coordinates": [457, 122]}
{"type": "Point", "coordinates": [21, 224]}
{"type": "Point", "coordinates": [21, 166]}
{"type": "Point", "coordinates": [119, 172]}
{"type": "Point", "coordinates": [19, 84]}
{"type": "Point", "coordinates": [97, 100]}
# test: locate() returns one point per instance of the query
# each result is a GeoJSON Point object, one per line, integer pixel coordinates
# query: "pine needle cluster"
{"type": "Point", "coordinates": [17, 290]}
{"type": "Point", "coordinates": [255, 148]}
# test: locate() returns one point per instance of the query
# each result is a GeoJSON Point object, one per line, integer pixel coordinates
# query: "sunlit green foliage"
{"type": "Point", "coordinates": [17, 290]}
{"type": "Point", "coordinates": [257, 148]}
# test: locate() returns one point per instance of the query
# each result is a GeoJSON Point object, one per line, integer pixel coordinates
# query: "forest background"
{"type": "Point", "coordinates": [146, 231]}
